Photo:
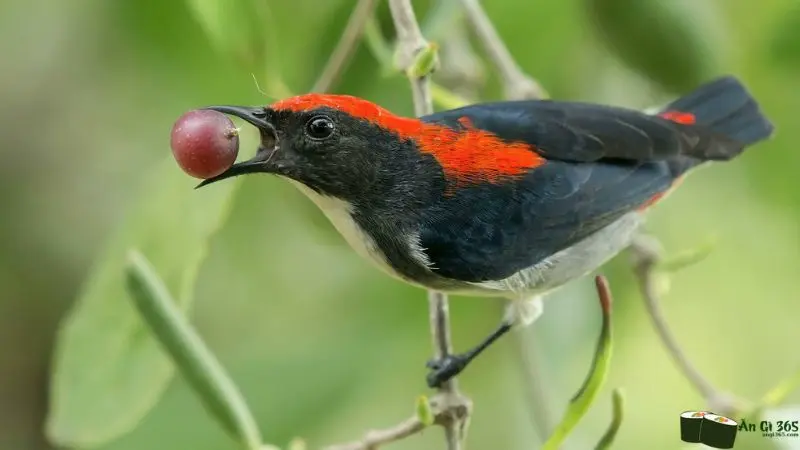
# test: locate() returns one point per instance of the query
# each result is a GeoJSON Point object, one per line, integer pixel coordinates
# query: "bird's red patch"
{"type": "Point", "coordinates": [466, 122]}
{"type": "Point", "coordinates": [655, 199]}
{"type": "Point", "coordinates": [471, 155]}
{"type": "Point", "coordinates": [679, 117]}
{"type": "Point", "coordinates": [652, 200]}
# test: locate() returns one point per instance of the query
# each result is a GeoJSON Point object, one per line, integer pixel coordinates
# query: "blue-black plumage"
{"type": "Point", "coordinates": [508, 199]}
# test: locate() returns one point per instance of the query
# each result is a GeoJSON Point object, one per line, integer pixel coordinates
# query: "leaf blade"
{"type": "Point", "coordinates": [618, 413]}
{"type": "Point", "coordinates": [191, 356]}
{"type": "Point", "coordinates": [108, 370]}
{"type": "Point", "coordinates": [584, 398]}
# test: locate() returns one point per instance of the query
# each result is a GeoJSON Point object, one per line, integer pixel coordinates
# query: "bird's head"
{"type": "Point", "coordinates": [338, 146]}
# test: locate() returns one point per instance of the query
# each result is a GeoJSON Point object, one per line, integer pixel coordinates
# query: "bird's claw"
{"type": "Point", "coordinates": [443, 369]}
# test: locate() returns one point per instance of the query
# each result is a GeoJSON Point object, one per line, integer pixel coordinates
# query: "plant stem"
{"type": "Point", "coordinates": [410, 43]}
{"type": "Point", "coordinates": [517, 85]}
{"type": "Point", "coordinates": [347, 45]}
{"type": "Point", "coordinates": [646, 254]}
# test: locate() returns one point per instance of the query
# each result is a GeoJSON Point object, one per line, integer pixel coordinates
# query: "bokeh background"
{"type": "Point", "coordinates": [323, 345]}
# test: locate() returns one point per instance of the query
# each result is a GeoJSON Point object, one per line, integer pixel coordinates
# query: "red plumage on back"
{"type": "Point", "coordinates": [466, 156]}
{"type": "Point", "coordinates": [679, 117]}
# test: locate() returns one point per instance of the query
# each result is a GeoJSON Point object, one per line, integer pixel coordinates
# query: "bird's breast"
{"type": "Point", "coordinates": [340, 213]}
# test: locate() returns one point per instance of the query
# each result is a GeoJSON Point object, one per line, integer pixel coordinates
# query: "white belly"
{"type": "Point", "coordinates": [571, 263]}
{"type": "Point", "coordinates": [555, 271]}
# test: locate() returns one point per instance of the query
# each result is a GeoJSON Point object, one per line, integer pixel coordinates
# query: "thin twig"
{"type": "Point", "coordinates": [646, 253]}
{"type": "Point", "coordinates": [517, 84]}
{"type": "Point", "coordinates": [542, 415]}
{"type": "Point", "coordinates": [409, 43]}
{"type": "Point", "coordinates": [456, 407]}
{"type": "Point", "coordinates": [348, 42]}
{"type": "Point", "coordinates": [373, 439]}
{"type": "Point", "coordinates": [440, 331]}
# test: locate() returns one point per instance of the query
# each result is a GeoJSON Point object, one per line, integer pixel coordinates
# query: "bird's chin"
{"type": "Point", "coordinates": [262, 162]}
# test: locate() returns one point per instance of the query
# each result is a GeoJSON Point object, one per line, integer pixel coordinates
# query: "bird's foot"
{"type": "Point", "coordinates": [443, 369]}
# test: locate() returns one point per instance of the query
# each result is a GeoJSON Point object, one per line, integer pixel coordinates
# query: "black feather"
{"type": "Point", "coordinates": [726, 107]}
{"type": "Point", "coordinates": [603, 162]}
{"type": "Point", "coordinates": [489, 232]}
{"type": "Point", "coordinates": [728, 120]}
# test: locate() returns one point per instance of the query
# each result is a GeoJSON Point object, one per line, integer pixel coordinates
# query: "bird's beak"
{"type": "Point", "coordinates": [256, 116]}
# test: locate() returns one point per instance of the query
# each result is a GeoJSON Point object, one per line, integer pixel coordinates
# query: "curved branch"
{"type": "Point", "coordinates": [347, 45]}
{"type": "Point", "coordinates": [442, 410]}
{"type": "Point", "coordinates": [517, 84]}
{"type": "Point", "coordinates": [646, 254]}
{"type": "Point", "coordinates": [411, 44]}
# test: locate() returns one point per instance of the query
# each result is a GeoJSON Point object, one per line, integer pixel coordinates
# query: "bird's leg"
{"type": "Point", "coordinates": [451, 365]}
{"type": "Point", "coordinates": [518, 312]}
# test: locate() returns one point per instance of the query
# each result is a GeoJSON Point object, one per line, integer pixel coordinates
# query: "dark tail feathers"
{"type": "Point", "coordinates": [725, 106]}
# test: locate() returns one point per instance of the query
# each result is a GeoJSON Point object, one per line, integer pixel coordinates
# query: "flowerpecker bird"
{"type": "Point", "coordinates": [505, 199]}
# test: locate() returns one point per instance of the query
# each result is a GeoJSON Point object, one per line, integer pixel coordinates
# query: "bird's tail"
{"type": "Point", "coordinates": [725, 107]}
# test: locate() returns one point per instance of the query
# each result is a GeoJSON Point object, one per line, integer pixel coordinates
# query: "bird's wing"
{"type": "Point", "coordinates": [584, 132]}
{"type": "Point", "coordinates": [600, 163]}
{"type": "Point", "coordinates": [491, 231]}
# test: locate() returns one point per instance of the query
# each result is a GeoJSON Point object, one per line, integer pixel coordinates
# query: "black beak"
{"type": "Point", "coordinates": [256, 116]}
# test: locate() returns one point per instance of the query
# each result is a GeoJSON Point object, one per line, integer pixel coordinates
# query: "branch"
{"type": "Point", "coordinates": [440, 331]}
{"type": "Point", "coordinates": [346, 46]}
{"type": "Point", "coordinates": [372, 440]}
{"type": "Point", "coordinates": [410, 43]}
{"type": "Point", "coordinates": [411, 50]}
{"type": "Point", "coordinates": [646, 254]}
{"type": "Point", "coordinates": [517, 85]}
{"type": "Point", "coordinates": [381, 51]}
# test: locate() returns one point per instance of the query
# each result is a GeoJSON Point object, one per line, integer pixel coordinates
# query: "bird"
{"type": "Point", "coordinates": [511, 199]}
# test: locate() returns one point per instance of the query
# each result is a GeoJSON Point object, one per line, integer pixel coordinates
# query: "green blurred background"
{"type": "Point", "coordinates": [323, 345]}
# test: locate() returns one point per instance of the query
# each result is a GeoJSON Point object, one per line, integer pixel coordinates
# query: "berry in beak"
{"type": "Point", "coordinates": [260, 163]}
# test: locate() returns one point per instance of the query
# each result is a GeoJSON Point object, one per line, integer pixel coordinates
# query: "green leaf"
{"type": "Point", "coordinates": [423, 411]}
{"type": "Point", "coordinates": [189, 353]}
{"type": "Point", "coordinates": [666, 41]}
{"type": "Point", "coordinates": [618, 412]}
{"type": "Point", "coordinates": [598, 373]}
{"type": "Point", "coordinates": [108, 370]}
{"type": "Point", "coordinates": [425, 61]}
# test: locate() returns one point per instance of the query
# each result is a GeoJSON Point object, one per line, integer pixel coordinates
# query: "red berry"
{"type": "Point", "coordinates": [205, 143]}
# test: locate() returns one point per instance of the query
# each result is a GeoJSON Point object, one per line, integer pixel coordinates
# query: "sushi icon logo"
{"type": "Point", "coordinates": [705, 427]}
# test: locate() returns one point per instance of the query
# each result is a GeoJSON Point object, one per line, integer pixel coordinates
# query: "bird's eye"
{"type": "Point", "coordinates": [320, 127]}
